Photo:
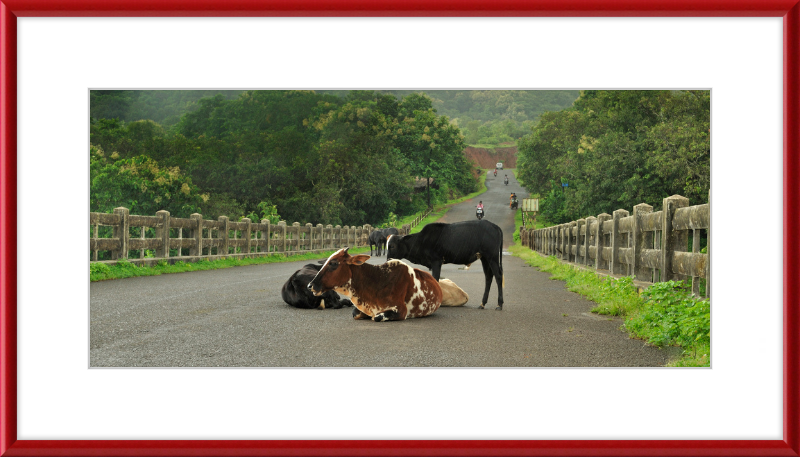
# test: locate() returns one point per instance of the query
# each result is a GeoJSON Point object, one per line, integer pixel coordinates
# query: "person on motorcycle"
{"type": "Point", "coordinates": [495, 172]}
{"type": "Point", "coordinates": [505, 180]}
{"type": "Point", "coordinates": [511, 200]}
{"type": "Point", "coordinates": [479, 211]}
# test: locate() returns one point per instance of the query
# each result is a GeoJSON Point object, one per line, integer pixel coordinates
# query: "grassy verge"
{"type": "Point", "coordinates": [665, 314]}
{"type": "Point", "coordinates": [125, 269]}
{"type": "Point", "coordinates": [492, 146]}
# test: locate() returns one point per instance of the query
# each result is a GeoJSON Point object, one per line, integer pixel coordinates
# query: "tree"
{"type": "Point", "coordinates": [617, 149]}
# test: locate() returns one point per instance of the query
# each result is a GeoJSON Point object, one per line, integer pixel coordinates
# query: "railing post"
{"type": "Point", "coordinates": [587, 257]}
{"type": "Point", "coordinates": [162, 233]}
{"type": "Point", "coordinates": [122, 232]}
{"type": "Point", "coordinates": [641, 240]}
{"type": "Point", "coordinates": [579, 243]}
{"type": "Point", "coordinates": [197, 234]}
{"type": "Point", "coordinates": [600, 241]}
{"type": "Point", "coordinates": [282, 230]}
{"type": "Point", "coordinates": [246, 235]}
{"type": "Point", "coordinates": [295, 236]}
{"type": "Point", "coordinates": [671, 240]}
{"type": "Point", "coordinates": [310, 238]}
{"type": "Point", "coordinates": [571, 236]}
{"type": "Point", "coordinates": [223, 235]}
{"type": "Point", "coordinates": [550, 250]}
{"type": "Point", "coordinates": [616, 267]}
{"type": "Point", "coordinates": [266, 234]}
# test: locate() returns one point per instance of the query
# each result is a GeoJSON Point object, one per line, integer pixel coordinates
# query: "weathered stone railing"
{"type": "Point", "coordinates": [195, 238]}
{"type": "Point", "coordinates": [652, 246]}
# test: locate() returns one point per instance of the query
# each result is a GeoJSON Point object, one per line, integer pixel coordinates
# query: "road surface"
{"type": "Point", "coordinates": [235, 317]}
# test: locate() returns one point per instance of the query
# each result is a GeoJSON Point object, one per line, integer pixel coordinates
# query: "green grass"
{"type": "Point", "coordinates": [665, 314]}
{"type": "Point", "coordinates": [491, 146]}
{"type": "Point", "coordinates": [125, 269]}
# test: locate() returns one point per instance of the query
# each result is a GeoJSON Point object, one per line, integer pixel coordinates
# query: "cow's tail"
{"type": "Point", "coordinates": [501, 260]}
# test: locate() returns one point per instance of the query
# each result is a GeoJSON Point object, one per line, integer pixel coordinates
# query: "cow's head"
{"type": "Point", "coordinates": [396, 248]}
{"type": "Point", "coordinates": [335, 272]}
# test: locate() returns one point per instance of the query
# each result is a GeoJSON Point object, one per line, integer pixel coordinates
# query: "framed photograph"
{"type": "Point", "coordinates": [54, 403]}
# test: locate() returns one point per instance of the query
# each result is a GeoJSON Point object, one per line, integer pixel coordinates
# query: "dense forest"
{"type": "Point", "coordinates": [164, 107]}
{"type": "Point", "coordinates": [294, 155]}
{"type": "Point", "coordinates": [616, 149]}
{"type": "Point", "coordinates": [485, 117]}
{"type": "Point", "coordinates": [491, 117]}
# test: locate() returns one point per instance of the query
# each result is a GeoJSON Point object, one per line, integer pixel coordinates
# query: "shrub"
{"type": "Point", "coordinates": [672, 316]}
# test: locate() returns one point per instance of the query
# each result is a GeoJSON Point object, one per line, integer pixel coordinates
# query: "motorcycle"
{"type": "Point", "coordinates": [506, 181]}
{"type": "Point", "coordinates": [514, 204]}
{"type": "Point", "coordinates": [495, 172]}
{"type": "Point", "coordinates": [479, 213]}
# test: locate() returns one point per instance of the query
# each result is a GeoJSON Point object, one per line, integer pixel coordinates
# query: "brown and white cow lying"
{"type": "Point", "coordinates": [392, 291]}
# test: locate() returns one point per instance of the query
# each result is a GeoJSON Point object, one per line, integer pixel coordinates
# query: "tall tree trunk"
{"type": "Point", "coordinates": [429, 192]}
{"type": "Point", "coordinates": [429, 179]}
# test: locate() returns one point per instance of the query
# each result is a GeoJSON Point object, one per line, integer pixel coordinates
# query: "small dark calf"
{"type": "Point", "coordinates": [378, 238]}
{"type": "Point", "coordinates": [295, 291]}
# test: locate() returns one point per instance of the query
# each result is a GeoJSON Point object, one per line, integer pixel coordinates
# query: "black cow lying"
{"type": "Point", "coordinates": [378, 238]}
{"type": "Point", "coordinates": [459, 243]}
{"type": "Point", "coordinates": [295, 292]}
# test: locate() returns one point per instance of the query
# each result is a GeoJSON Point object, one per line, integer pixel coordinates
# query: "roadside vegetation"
{"type": "Point", "coordinates": [617, 148]}
{"type": "Point", "coordinates": [125, 269]}
{"type": "Point", "coordinates": [664, 314]}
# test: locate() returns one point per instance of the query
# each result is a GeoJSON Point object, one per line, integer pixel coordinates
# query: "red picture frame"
{"type": "Point", "coordinates": [11, 9]}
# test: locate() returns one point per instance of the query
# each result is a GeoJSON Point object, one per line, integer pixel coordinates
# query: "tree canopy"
{"type": "Point", "coordinates": [616, 149]}
{"type": "Point", "coordinates": [311, 157]}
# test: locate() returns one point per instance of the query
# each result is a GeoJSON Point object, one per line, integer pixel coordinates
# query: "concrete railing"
{"type": "Point", "coordinates": [196, 238]}
{"type": "Point", "coordinates": [652, 246]}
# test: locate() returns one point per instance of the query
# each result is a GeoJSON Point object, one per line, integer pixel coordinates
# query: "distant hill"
{"type": "Point", "coordinates": [491, 117]}
{"type": "Point", "coordinates": [165, 107]}
{"type": "Point", "coordinates": [487, 117]}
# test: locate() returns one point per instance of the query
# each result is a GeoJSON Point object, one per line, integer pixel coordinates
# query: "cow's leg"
{"type": "Point", "coordinates": [436, 269]}
{"type": "Point", "coordinates": [389, 315]}
{"type": "Point", "coordinates": [357, 314]}
{"type": "Point", "coordinates": [487, 273]}
{"type": "Point", "coordinates": [497, 271]}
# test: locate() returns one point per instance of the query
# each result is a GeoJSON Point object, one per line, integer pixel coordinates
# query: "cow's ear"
{"type": "Point", "coordinates": [358, 259]}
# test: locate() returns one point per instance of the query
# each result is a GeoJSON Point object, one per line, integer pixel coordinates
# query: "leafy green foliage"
{"type": "Point", "coordinates": [491, 117]}
{"type": "Point", "coordinates": [141, 185]}
{"type": "Point", "coordinates": [315, 157]}
{"type": "Point", "coordinates": [672, 316]}
{"type": "Point", "coordinates": [265, 211]}
{"type": "Point", "coordinates": [616, 149]}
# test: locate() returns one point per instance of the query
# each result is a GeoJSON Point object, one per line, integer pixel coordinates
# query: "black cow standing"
{"type": "Point", "coordinates": [378, 238]}
{"type": "Point", "coordinates": [295, 291]}
{"type": "Point", "coordinates": [460, 243]}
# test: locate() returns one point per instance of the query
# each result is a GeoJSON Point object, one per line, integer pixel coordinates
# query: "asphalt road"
{"type": "Point", "coordinates": [235, 317]}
